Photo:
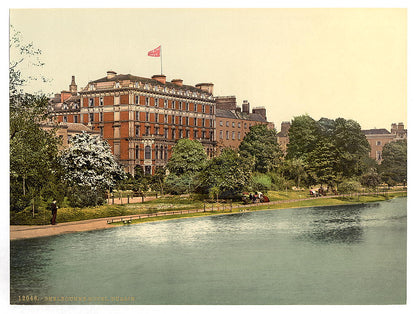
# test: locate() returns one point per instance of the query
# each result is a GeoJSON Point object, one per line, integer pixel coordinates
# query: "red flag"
{"type": "Point", "coordinates": [154, 53]}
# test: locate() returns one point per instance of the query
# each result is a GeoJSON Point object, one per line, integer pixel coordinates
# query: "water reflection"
{"type": "Point", "coordinates": [338, 224]}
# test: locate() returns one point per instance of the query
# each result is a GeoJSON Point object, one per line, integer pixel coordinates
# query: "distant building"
{"type": "Point", "coordinates": [377, 138]}
{"type": "Point", "coordinates": [233, 123]}
{"type": "Point", "coordinates": [141, 118]}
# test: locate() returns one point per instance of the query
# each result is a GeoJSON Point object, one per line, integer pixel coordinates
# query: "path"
{"type": "Point", "coordinates": [25, 231]}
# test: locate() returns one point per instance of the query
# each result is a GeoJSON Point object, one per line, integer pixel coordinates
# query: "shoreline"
{"type": "Point", "coordinates": [20, 232]}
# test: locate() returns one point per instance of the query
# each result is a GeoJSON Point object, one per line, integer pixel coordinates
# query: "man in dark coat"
{"type": "Point", "coordinates": [54, 210]}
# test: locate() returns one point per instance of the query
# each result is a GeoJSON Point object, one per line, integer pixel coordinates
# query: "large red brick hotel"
{"type": "Point", "coordinates": [141, 118]}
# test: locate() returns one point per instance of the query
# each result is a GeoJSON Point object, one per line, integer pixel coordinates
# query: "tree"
{"type": "Point", "coordinates": [261, 143]}
{"type": "Point", "coordinates": [393, 168]}
{"type": "Point", "coordinates": [294, 169]}
{"type": "Point", "coordinates": [351, 145]}
{"type": "Point", "coordinates": [187, 160]}
{"type": "Point", "coordinates": [230, 173]}
{"type": "Point", "coordinates": [188, 156]}
{"type": "Point", "coordinates": [33, 151]}
{"type": "Point", "coordinates": [371, 179]}
{"type": "Point", "coordinates": [321, 164]}
{"type": "Point", "coordinates": [303, 136]}
{"type": "Point", "coordinates": [90, 168]}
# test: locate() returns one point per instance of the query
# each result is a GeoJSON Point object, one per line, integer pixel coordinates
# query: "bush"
{"type": "Point", "coordinates": [85, 197]}
{"type": "Point", "coordinates": [262, 182]}
{"type": "Point", "coordinates": [349, 187]}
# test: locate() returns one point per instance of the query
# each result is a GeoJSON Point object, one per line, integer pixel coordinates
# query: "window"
{"type": "Point", "coordinates": [156, 102]}
{"type": "Point", "coordinates": [233, 124]}
{"type": "Point", "coordinates": [147, 132]}
{"type": "Point", "coordinates": [221, 134]}
{"type": "Point", "coordinates": [203, 108]}
{"type": "Point", "coordinates": [378, 155]}
{"type": "Point", "coordinates": [166, 152]}
{"type": "Point", "coordinates": [148, 169]}
{"type": "Point", "coordinates": [137, 151]}
{"type": "Point", "coordinates": [180, 105]}
{"type": "Point", "coordinates": [91, 102]}
{"type": "Point", "coordinates": [173, 134]}
{"type": "Point", "coordinates": [166, 103]}
{"type": "Point", "coordinates": [196, 107]}
{"type": "Point", "coordinates": [156, 118]}
{"type": "Point", "coordinates": [186, 121]}
{"type": "Point", "coordinates": [378, 143]}
{"type": "Point", "coordinates": [221, 123]}
{"type": "Point", "coordinates": [187, 133]}
{"type": "Point", "coordinates": [75, 119]}
{"type": "Point", "coordinates": [173, 104]}
{"type": "Point", "coordinates": [137, 115]}
{"type": "Point", "coordinates": [187, 106]}
{"type": "Point", "coordinates": [91, 117]}
{"type": "Point", "coordinates": [165, 132]}
{"type": "Point", "coordinates": [65, 119]}
{"type": "Point", "coordinates": [101, 116]}
{"type": "Point", "coordinates": [204, 134]}
{"type": "Point", "coordinates": [239, 124]}
{"type": "Point", "coordinates": [101, 101]}
{"type": "Point", "coordinates": [147, 116]}
{"type": "Point", "coordinates": [233, 135]}
{"type": "Point", "coordinates": [156, 152]}
{"type": "Point", "coordinates": [156, 130]}
{"type": "Point", "coordinates": [227, 135]}
{"type": "Point", "coordinates": [136, 100]}
{"type": "Point", "coordinates": [227, 123]}
{"type": "Point", "coordinates": [165, 119]}
{"type": "Point", "coordinates": [117, 84]}
{"type": "Point", "coordinates": [147, 152]}
{"type": "Point", "coordinates": [195, 134]}
{"type": "Point", "coordinates": [239, 136]}
{"type": "Point", "coordinates": [146, 101]}
{"type": "Point", "coordinates": [245, 125]}
{"type": "Point", "coordinates": [203, 122]}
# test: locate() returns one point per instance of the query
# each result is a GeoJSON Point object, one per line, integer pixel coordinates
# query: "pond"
{"type": "Point", "coordinates": [353, 254]}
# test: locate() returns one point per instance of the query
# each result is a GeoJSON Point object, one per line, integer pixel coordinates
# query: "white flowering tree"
{"type": "Point", "coordinates": [89, 169]}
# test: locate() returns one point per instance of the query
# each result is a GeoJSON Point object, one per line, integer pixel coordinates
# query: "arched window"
{"type": "Point", "coordinates": [147, 152]}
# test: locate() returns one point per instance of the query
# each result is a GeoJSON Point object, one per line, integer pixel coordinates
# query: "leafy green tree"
{"type": "Point", "coordinates": [188, 157]}
{"type": "Point", "coordinates": [294, 169]}
{"type": "Point", "coordinates": [394, 164]}
{"type": "Point", "coordinates": [33, 151]}
{"type": "Point", "coordinates": [261, 143]}
{"type": "Point", "coordinates": [187, 161]}
{"type": "Point", "coordinates": [351, 145]}
{"type": "Point", "coordinates": [303, 136]}
{"type": "Point", "coordinates": [371, 179]}
{"type": "Point", "coordinates": [321, 164]}
{"type": "Point", "coordinates": [229, 172]}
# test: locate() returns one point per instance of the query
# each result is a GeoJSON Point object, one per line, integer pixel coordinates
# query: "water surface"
{"type": "Point", "coordinates": [352, 254]}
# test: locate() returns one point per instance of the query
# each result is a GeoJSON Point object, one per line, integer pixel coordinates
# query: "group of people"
{"type": "Point", "coordinates": [255, 197]}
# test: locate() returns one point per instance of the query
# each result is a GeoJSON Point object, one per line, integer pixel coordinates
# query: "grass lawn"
{"type": "Point", "coordinates": [175, 203]}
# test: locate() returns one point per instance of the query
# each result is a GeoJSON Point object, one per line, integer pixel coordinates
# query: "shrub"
{"type": "Point", "coordinates": [348, 187]}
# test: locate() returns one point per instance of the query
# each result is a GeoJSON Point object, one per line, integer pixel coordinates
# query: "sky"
{"type": "Point", "coordinates": [349, 63]}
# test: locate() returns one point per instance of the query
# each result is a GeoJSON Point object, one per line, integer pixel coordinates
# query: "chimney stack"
{"type": "Point", "coordinates": [177, 82]}
{"type": "Point", "coordinates": [111, 74]}
{"type": "Point", "coordinates": [207, 87]}
{"type": "Point", "coordinates": [246, 107]}
{"type": "Point", "coordinates": [160, 78]}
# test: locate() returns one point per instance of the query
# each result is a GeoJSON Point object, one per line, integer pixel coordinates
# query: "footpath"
{"type": "Point", "coordinates": [34, 231]}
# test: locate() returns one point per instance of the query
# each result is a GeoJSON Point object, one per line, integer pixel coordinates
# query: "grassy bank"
{"type": "Point", "coordinates": [181, 203]}
{"type": "Point", "coordinates": [267, 206]}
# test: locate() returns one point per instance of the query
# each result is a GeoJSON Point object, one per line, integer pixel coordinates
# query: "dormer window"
{"type": "Point", "coordinates": [64, 106]}
{"type": "Point", "coordinates": [117, 84]}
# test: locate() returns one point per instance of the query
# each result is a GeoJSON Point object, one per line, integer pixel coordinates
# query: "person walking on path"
{"type": "Point", "coordinates": [54, 210]}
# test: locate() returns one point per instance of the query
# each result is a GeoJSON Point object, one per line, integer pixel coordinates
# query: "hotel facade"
{"type": "Point", "coordinates": [141, 118]}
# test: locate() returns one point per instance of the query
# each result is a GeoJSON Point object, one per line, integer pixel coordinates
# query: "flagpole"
{"type": "Point", "coordinates": [161, 72]}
